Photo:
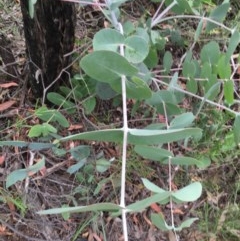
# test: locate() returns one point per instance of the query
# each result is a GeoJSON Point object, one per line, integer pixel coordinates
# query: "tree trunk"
{"type": "Point", "coordinates": [49, 38]}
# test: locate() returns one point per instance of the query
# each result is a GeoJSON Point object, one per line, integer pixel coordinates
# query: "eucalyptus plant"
{"type": "Point", "coordinates": [125, 61]}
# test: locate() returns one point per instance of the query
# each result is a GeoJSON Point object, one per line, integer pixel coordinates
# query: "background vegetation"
{"type": "Point", "coordinates": [142, 143]}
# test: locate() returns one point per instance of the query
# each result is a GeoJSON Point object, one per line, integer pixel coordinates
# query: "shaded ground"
{"type": "Point", "coordinates": [53, 187]}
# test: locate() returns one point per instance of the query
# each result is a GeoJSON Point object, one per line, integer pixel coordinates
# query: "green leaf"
{"type": "Point", "coordinates": [210, 53]}
{"type": "Point", "coordinates": [128, 28]}
{"type": "Point", "coordinates": [80, 152]}
{"type": "Point", "coordinates": [21, 174]}
{"type": "Point", "coordinates": [224, 68]}
{"type": "Point", "coordinates": [153, 153]}
{"type": "Point", "coordinates": [41, 130]}
{"type": "Point", "coordinates": [110, 135]}
{"type": "Point", "coordinates": [35, 131]}
{"type": "Point", "coordinates": [159, 222]}
{"type": "Point", "coordinates": [158, 41]}
{"type": "Point", "coordinates": [116, 3]}
{"type": "Point", "coordinates": [236, 129]}
{"type": "Point", "coordinates": [137, 89]}
{"type": "Point", "coordinates": [189, 193]}
{"type": "Point", "coordinates": [192, 86]}
{"type": "Point", "coordinates": [51, 115]}
{"type": "Point", "coordinates": [106, 66]}
{"type": "Point", "coordinates": [233, 43]}
{"type": "Point", "coordinates": [107, 39]}
{"type": "Point", "coordinates": [139, 206]}
{"type": "Point", "coordinates": [213, 91]}
{"type": "Point", "coordinates": [105, 91]}
{"type": "Point", "coordinates": [136, 136]}
{"type": "Point", "coordinates": [152, 59]}
{"type": "Point", "coordinates": [60, 100]}
{"type": "Point", "coordinates": [108, 207]}
{"type": "Point", "coordinates": [189, 69]}
{"type": "Point", "coordinates": [181, 160]}
{"type": "Point", "coordinates": [37, 146]}
{"type": "Point", "coordinates": [198, 30]}
{"type": "Point", "coordinates": [181, 121]}
{"type": "Point", "coordinates": [66, 215]}
{"type": "Point", "coordinates": [167, 61]}
{"type": "Point", "coordinates": [102, 165]}
{"type": "Point", "coordinates": [186, 224]}
{"type": "Point", "coordinates": [152, 187]}
{"type": "Point", "coordinates": [151, 137]}
{"type": "Point", "coordinates": [143, 33]}
{"type": "Point", "coordinates": [76, 167]}
{"type": "Point", "coordinates": [218, 14]}
{"type": "Point", "coordinates": [89, 105]}
{"type": "Point", "coordinates": [228, 90]}
{"type": "Point", "coordinates": [136, 49]}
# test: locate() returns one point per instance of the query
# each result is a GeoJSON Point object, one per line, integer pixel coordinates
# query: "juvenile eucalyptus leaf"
{"type": "Point", "coordinates": [106, 66]}
{"type": "Point", "coordinates": [105, 91]}
{"type": "Point", "coordinates": [35, 131]}
{"type": "Point", "coordinates": [181, 121]}
{"type": "Point", "coordinates": [186, 224]}
{"type": "Point", "coordinates": [142, 33]}
{"type": "Point", "coordinates": [151, 137]}
{"type": "Point", "coordinates": [189, 69]}
{"type": "Point", "coordinates": [192, 86]}
{"type": "Point", "coordinates": [152, 59]}
{"type": "Point", "coordinates": [224, 68]}
{"type": "Point", "coordinates": [233, 43]}
{"type": "Point", "coordinates": [236, 129]}
{"type": "Point", "coordinates": [111, 135]}
{"type": "Point", "coordinates": [21, 174]}
{"type": "Point", "coordinates": [152, 153]}
{"type": "Point", "coordinates": [189, 193]}
{"type": "Point", "coordinates": [218, 14]}
{"type": "Point", "coordinates": [51, 115]}
{"type": "Point", "coordinates": [210, 53]}
{"type": "Point", "coordinates": [198, 30]}
{"type": "Point", "coordinates": [167, 61]}
{"type": "Point", "coordinates": [109, 207]}
{"type": "Point", "coordinates": [228, 90]}
{"type": "Point", "coordinates": [107, 39]}
{"type": "Point", "coordinates": [76, 167]}
{"type": "Point", "coordinates": [141, 205]}
{"type": "Point", "coordinates": [138, 89]}
{"type": "Point", "coordinates": [184, 161]}
{"type": "Point", "coordinates": [151, 186]}
{"type": "Point", "coordinates": [41, 130]}
{"type": "Point", "coordinates": [89, 105]}
{"type": "Point", "coordinates": [159, 222]}
{"type": "Point", "coordinates": [136, 49]}
{"type": "Point", "coordinates": [102, 165]}
{"type": "Point", "coordinates": [116, 3]}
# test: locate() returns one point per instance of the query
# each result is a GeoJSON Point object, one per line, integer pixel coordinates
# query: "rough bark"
{"type": "Point", "coordinates": [49, 38]}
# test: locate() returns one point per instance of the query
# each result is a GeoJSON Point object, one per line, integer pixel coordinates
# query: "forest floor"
{"type": "Point", "coordinates": [218, 208]}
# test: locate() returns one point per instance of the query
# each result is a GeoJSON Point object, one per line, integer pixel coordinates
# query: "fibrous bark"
{"type": "Point", "coordinates": [49, 38]}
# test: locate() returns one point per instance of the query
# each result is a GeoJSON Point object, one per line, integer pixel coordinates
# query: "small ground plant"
{"type": "Point", "coordinates": [131, 59]}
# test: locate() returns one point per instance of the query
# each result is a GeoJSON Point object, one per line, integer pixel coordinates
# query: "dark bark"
{"type": "Point", "coordinates": [49, 37]}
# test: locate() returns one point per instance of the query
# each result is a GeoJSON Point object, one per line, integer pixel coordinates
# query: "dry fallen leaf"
{"type": "Point", "coordinates": [2, 159]}
{"type": "Point", "coordinates": [6, 105]}
{"type": "Point", "coordinates": [75, 127]}
{"type": "Point", "coordinates": [7, 85]}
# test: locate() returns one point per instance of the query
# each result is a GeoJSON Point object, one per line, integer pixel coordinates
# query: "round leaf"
{"type": "Point", "coordinates": [107, 39]}
{"type": "Point", "coordinates": [136, 49]}
{"type": "Point", "coordinates": [106, 66]}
